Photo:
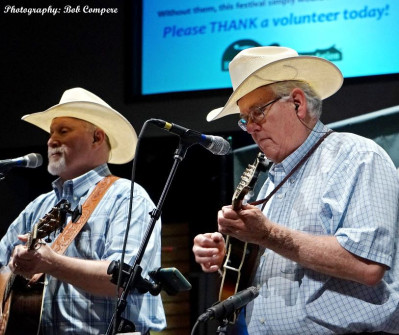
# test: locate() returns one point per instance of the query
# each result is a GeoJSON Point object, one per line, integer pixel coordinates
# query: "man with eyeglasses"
{"type": "Point", "coordinates": [328, 230]}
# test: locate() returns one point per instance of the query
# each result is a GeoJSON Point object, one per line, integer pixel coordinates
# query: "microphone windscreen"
{"type": "Point", "coordinates": [34, 160]}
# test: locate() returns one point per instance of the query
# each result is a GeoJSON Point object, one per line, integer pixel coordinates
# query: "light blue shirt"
{"type": "Point", "coordinates": [348, 188]}
{"type": "Point", "coordinates": [68, 310]}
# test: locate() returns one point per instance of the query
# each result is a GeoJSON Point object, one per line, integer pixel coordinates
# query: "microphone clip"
{"type": "Point", "coordinates": [141, 284]}
{"type": "Point", "coordinates": [168, 279]}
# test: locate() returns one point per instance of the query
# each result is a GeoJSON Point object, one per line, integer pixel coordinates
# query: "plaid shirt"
{"type": "Point", "coordinates": [68, 310]}
{"type": "Point", "coordinates": [348, 188]}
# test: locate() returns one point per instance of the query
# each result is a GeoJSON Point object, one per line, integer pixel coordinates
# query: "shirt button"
{"type": "Point", "coordinates": [261, 320]}
{"type": "Point", "coordinates": [280, 196]}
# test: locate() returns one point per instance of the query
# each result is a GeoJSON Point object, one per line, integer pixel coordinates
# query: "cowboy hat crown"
{"type": "Point", "coordinates": [82, 104]}
{"type": "Point", "coordinates": [260, 66]}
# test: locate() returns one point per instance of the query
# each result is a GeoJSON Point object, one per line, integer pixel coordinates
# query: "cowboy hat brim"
{"type": "Point", "coordinates": [121, 134]}
{"type": "Point", "coordinates": [323, 76]}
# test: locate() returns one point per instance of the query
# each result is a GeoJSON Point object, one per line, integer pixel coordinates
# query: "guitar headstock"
{"type": "Point", "coordinates": [52, 221]}
{"type": "Point", "coordinates": [249, 179]}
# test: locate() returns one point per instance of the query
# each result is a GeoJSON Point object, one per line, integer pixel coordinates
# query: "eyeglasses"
{"type": "Point", "coordinates": [256, 115]}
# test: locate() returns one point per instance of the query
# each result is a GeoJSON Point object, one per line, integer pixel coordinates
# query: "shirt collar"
{"type": "Point", "coordinates": [292, 160]}
{"type": "Point", "coordinates": [80, 185]}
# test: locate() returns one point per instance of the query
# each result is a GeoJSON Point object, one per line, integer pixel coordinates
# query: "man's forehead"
{"type": "Point", "coordinates": [258, 95]}
{"type": "Point", "coordinates": [67, 120]}
{"type": "Point", "coordinates": [263, 90]}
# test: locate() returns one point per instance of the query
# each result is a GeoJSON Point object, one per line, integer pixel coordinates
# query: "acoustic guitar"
{"type": "Point", "coordinates": [21, 300]}
{"type": "Point", "coordinates": [241, 257]}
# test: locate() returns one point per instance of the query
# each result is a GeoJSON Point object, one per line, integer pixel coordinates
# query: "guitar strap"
{"type": "Point", "coordinates": [72, 229]}
{"type": "Point", "coordinates": [296, 167]}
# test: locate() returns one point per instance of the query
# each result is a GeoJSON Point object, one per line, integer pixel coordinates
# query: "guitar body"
{"type": "Point", "coordinates": [21, 306]}
{"type": "Point", "coordinates": [22, 300]}
{"type": "Point", "coordinates": [242, 258]}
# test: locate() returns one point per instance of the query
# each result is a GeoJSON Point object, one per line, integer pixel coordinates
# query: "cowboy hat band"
{"type": "Point", "coordinates": [260, 66]}
{"type": "Point", "coordinates": [82, 104]}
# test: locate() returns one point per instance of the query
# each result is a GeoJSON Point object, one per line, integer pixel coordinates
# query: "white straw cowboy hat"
{"type": "Point", "coordinates": [82, 104]}
{"type": "Point", "coordinates": [259, 66]}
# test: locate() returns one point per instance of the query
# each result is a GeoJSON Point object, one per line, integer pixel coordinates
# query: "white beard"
{"type": "Point", "coordinates": [58, 167]}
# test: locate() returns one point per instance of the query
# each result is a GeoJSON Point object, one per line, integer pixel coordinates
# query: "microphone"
{"type": "Point", "coordinates": [227, 307]}
{"type": "Point", "coordinates": [28, 161]}
{"type": "Point", "coordinates": [215, 144]}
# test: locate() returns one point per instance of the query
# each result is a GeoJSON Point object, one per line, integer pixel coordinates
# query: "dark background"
{"type": "Point", "coordinates": [42, 56]}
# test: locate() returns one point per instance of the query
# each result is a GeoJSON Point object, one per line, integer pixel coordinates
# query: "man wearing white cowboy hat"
{"type": "Point", "coordinates": [79, 298]}
{"type": "Point", "coordinates": [327, 215]}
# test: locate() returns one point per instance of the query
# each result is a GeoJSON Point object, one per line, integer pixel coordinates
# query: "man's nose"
{"type": "Point", "coordinates": [252, 126]}
{"type": "Point", "coordinates": [53, 141]}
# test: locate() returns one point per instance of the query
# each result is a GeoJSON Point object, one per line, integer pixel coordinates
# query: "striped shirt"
{"type": "Point", "coordinates": [348, 188]}
{"type": "Point", "coordinates": [68, 310]}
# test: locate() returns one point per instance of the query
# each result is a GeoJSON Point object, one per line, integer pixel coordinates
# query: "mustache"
{"type": "Point", "coordinates": [53, 151]}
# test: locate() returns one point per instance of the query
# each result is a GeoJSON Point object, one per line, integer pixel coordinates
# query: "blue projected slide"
{"type": "Point", "coordinates": [187, 45]}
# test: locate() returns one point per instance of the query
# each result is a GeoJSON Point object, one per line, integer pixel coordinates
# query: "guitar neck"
{"type": "Point", "coordinates": [30, 243]}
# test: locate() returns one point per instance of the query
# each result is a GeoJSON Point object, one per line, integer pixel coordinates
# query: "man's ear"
{"type": "Point", "coordinates": [98, 136]}
{"type": "Point", "coordinates": [300, 103]}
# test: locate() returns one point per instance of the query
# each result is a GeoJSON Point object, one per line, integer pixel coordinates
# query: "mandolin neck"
{"type": "Point", "coordinates": [236, 204]}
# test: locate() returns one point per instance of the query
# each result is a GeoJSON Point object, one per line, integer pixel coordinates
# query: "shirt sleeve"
{"type": "Point", "coordinates": [366, 196]}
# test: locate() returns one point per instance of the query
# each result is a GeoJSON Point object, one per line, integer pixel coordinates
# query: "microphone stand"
{"type": "Point", "coordinates": [135, 278]}
{"type": "Point", "coordinates": [222, 329]}
{"type": "Point", "coordinates": [3, 171]}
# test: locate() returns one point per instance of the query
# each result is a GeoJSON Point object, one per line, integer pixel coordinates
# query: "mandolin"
{"type": "Point", "coordinates": [241, 257]}
{"type": "Point", "coordinates": [21, 299]}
